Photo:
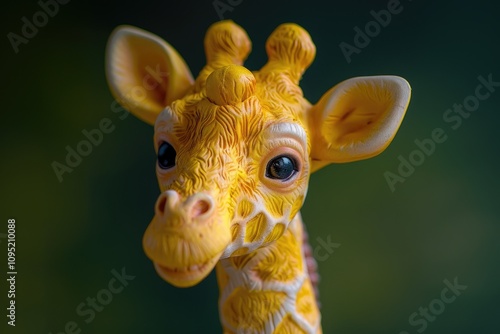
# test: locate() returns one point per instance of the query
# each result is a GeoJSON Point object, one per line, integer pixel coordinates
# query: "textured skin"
{"type": "Point", "coordinates": [218, 206]}
{"type": "Point", "coordinates": [250, 281]}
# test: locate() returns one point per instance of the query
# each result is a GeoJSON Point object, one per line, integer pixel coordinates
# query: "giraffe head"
{"type": "Point", "coordinates": [236, 148]}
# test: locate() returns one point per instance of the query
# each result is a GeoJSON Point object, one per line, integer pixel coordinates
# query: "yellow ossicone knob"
{"type": "Point", "coordinates": [230, 85]}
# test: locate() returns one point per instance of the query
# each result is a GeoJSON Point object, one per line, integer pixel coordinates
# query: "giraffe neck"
{"type": "Point", "coordinates": [269, 290]}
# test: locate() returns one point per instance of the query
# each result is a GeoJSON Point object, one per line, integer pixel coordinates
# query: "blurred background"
{"type": "Point", "coordinates": [396, 247]}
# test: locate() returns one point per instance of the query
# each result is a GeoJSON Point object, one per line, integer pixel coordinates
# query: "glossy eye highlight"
{"type": "Point", "coordinates": [166, 156]}
{"type": "Point", "coordinates": [281, 168]}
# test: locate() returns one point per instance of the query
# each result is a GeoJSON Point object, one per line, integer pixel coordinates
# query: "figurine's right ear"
{"type": "Point", "coordinates": [145, 73]}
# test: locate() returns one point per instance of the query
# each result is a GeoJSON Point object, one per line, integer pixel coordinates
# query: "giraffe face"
{"type": "Point", "coordinates": [232, 178]}
{"type": "Point", "coordinates": [235, 148]}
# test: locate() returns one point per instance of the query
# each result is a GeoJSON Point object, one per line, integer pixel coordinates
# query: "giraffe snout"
{"type": "Point", "coordinates": [186, 237]}
{"type": "Point", "coordinates": [196, 208]}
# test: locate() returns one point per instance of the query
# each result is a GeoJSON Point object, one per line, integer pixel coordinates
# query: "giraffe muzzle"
{"type": "Point", "coordinates": [186, 237]}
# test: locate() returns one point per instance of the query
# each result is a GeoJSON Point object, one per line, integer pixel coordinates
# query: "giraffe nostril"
{"type": "Point", "coordinates": [201, 207]}
{"type": "Point", "coordinates": [198, 206]}
{"type": "Point", "coordinates": [166, 200]}
{"type": "Point", "coordinates": [160, 206]}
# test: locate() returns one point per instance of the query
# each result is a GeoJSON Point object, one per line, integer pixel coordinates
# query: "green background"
{"type": "Point", "coordinates": [396, 248]}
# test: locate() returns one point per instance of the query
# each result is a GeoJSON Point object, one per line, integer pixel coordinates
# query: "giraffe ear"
{"type": "Point", "coordinates": [357, 119]}
{"type": "Point", "coordinates": [145, 73]}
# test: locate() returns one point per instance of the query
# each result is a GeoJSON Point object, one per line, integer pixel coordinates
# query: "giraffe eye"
{"type": "Point", "coordinates": [281, 168]}
{"type": "Point", "coordinates": [166, 156]}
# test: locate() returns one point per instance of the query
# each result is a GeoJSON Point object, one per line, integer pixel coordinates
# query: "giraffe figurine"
{"type": "Point", "coordinates": [235, 151]}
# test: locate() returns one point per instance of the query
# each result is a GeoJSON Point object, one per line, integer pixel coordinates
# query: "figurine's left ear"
{"type": "Point", "coordinates": [357, 119]}
{"type": "Point", "coordinates": [144, 72]}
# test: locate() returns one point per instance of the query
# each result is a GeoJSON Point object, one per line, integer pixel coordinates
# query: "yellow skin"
{"type": "Point", "coordinates": [235, 152]}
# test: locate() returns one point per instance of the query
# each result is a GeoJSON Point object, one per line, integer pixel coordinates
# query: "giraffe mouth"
{"type": "Point", "coordinates": [186, 276]}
